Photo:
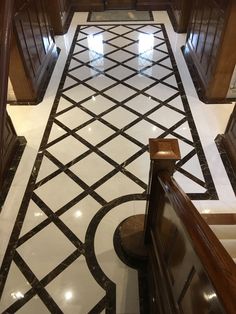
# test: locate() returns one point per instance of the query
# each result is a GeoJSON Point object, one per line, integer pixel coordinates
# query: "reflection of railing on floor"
{"type": "Point", "coordinates": [190, 272]}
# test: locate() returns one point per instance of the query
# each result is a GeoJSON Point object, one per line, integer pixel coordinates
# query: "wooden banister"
{"type": "Point", "coordinates": [193, 262]}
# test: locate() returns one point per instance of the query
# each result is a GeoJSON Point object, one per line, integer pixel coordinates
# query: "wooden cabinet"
{"type": "Point", "coordinates": [59, 12]}
{"type": "Point", "coordinates": [180, 14]}
{"type": "Point", "coordinates": [210, 47]}
{"type": "Point", "coordinates": [33, 52]}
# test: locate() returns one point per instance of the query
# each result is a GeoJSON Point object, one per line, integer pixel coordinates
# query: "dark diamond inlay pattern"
{"type": "Point", "coordinates": [120, 86]}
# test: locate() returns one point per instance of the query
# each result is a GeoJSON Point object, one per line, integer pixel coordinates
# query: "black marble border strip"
{"type": "Point", "coordinates": [90, 255]}
{"type": "Point", "coordinates": [226, 162]}
{"type": "Point", "coordinates": [12, 169]}
{"type": "Point", "coordinates": [209, 183]}
{"type": "Point", "coordinates": [89, 18]}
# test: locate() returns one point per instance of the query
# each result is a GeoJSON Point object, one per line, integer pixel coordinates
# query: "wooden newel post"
{"type": "Point", "coordinates": [134, 232]}
{"type": "Point", "coordinates": [163, 155]}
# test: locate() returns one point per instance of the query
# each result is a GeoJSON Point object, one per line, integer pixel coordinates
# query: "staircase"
{"type": "Point", "coordinates": [224, 227]}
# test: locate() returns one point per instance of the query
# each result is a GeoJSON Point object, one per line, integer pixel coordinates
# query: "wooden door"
{"type": "Point", "coordinates": [120, 4]}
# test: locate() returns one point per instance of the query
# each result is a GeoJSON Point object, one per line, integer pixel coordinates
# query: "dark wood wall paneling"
{"type": "Point", "coordinates": [59, 12]}
{"type": "Point", "coordinates": [227, 143]}
{"type": "Point", "coordinates": [179, 12]}
{"type": "Point", "coordinates": [33, 50]}
{"type": "Point", "coordinates": [211, 45]}
{"type": "Point", "coordinates": [85, 5]}
{"type": "Point", "coordinates": [8, 137]}
{"type": "Point", "coordinates": [100, 5]}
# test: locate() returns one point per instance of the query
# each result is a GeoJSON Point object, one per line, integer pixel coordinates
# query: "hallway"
{"type": "Point", "coordinates": [115, 86]}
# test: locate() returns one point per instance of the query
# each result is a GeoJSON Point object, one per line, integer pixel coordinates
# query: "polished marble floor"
{"type": "Point", "coordinates": [86, 163]}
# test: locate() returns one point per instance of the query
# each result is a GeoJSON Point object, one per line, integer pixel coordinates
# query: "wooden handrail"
{"type": "Point", "coordinates": [164, 193]}
{"type": "Point", "coordinates": [6, 33]}
{"type": "Point", "coordinates": [220, 267]}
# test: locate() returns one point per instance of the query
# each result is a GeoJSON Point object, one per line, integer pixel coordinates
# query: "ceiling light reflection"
{"type": "Point", "coordinates": [78, 214]}
{"type": "Point", "coordinates": [17, 295]}
{"type": "Point", "coordinates": [68, 295]}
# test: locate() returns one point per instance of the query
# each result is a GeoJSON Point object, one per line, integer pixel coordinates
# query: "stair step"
{"type": "Point", "coordinates": [230, 246]}
{"type": "Point", "coordinates": [224, 231]}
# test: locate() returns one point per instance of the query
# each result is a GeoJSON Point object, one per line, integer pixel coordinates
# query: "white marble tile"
{"type": "Point", "coordinates": [114, 151]}
{"type": "Point", "coordinates": [141, 103]}
{"type": "Point", "coordinates": [139, 81]}
{"type": "Point", "coordinates": [157, 71]}
{"type": "Point", "coordinates": [79, 93]}
{"type": "Point", "coordinates": [120, 56]}
{"type": "Point", "coordinates": [120, 92]}
{"type": "Point", "coordinates": [98, 104]}
{"type": "Point", "coordinates": [144, 130]}
{"type": "Point", "coordinates": [120, 117]}
{"type": "Point", "coordinates": [36, 250]}
{"type": "Point", "coordinates": [56, 131]}
{"type": "Point", "coordinates": [120, 42]}
{"type": "Point", "coordinates": [118, 186]}
{"type": "Point", "coordinates": [67, 149]}
{"type": "Point", "coordinates": [187, 184]}
{"type": "Point", "coordinates": [161, 91]}
{"type": "Point", "coordinates": [73, 118]}
{"type": "Point", "coordinates": [120, 30]}
{"type": "Point", "coordinates": [100, 82]}
{"type": "Point", "coordinates": [83, 73]}
{"type": "Point", "coordinates": [95, 132]}
{"type": "Point", "coordinates": [166, 116]}
{"type": "Point", "coordinates": [78, 217]}
{"type": "Point", "coordinates": [194, 168]}
{"type": "Point", "coordinates": [34, 217]}
{"type": "Point", "coordinates": [91, 169]}
{"type": "Point", "coordinates": [140, 167]}
{"type": "Point", "coordinates": [75, 290]}
{"type": "Point", "coordinates": [63, 104]}
{"type": "Point", "coordinates": [69, 82]}
{"type": "Point", "coordinates": [102, 64]}
{"type": "Point", "coordinates": [120, 72]}
{"type": "Point", "coordinates": [15, 288]}
{"type": "Point", "coordinates": [58, 191]}
{"type": "Point", "coordinates": [138, 63]}
{"type": "Point", "coordinates": [34, 305]}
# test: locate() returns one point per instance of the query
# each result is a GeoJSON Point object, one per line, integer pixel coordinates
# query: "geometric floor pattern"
{"type": "Point", "coordinates": [120, 87]}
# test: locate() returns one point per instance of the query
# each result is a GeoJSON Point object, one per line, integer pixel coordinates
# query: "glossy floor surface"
{"type": "Point", "coordinates": [114, 86]}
